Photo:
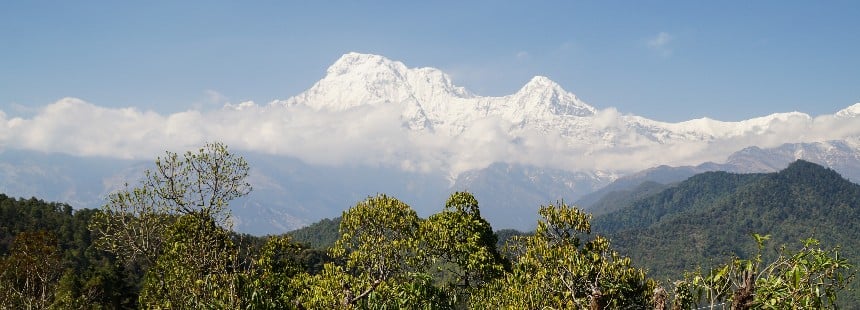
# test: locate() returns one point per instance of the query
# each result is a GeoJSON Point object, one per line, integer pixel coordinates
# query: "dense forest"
{"type": "Point", "coordinates": [708, 218]}
{"type": "Point", "coordinates": [167, 243]}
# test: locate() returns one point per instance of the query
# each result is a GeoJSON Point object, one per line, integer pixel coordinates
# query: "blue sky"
{"type": "Point", "coordinates": [668, 61]}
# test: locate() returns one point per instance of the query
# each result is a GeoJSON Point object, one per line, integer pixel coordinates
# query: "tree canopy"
{"type": "Point", "coordinates": [167, 243]}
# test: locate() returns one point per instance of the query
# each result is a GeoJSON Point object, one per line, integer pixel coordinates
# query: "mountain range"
{"type": "Point", "coordinates": [372, 125]}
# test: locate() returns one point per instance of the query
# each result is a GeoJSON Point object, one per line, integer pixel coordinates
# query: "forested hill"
{"type": "Point", "coordinates": [319, 235]}
{"type": "Point", "coordinates": [711, 216]}
{"type": "Point", "coordinates": [49, 244]}
{"type": "Point", "coordinates": [696, 193]}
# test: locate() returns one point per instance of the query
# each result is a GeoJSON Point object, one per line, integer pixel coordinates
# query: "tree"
{"type": "Point", "coordinates": [29, 275]}
{"type": "Point", "coordinates": [197, 269]}
{"type": "Point", "coordinates": [377, 241]}
{"type": "Point", "coordinates": [272, 284]}
{"type": "Point", "coordinates": [809, 278]}
{"type": "Point", "coordinates": [554, 269]}
{"type": "Point", "coordinates": [379, 245]}
{"type": "Point", "coordinates": [133, 222]}
{"type": "Point", "coordinates": [462, 242]}
{"type": "Point", "coordinates": [176, 226]}
{"type": "Point", "coordinates": [202, 182]}
{"type": "Point", "coordinates": [132, 225]}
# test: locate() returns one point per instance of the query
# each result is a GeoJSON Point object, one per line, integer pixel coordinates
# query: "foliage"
{"type": "Point", "coordinates": [200, 182]}
{"type": "Point", "coordinates": [378, 241]}
{"type": "Point", "coordinates": [460, 241]}
{"type": "Point", "coordinates": [271, 284]}
{"type": "Point", "coordinates": [196, 270]}
{"type": "Point", "coordinates": [170, 239]}
{"type": "Point", "coordinates": [88, 278]}
{"type": "Point", "coordinates": [29, 276]}
{"type": "Point", "coordinates": [416, 292]}
{"type": "Point", "coordinates": [806, 279]}
{"type": "Point", "coordinates": [131, 226]}
{"type": "Point", "coordinates": [133, 222]}
{"type": "Point", "coordinates": [554, 269]}
{"type": "Point", "coordinates": [706, 220]}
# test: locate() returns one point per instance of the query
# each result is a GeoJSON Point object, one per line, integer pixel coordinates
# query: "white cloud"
{"type": "Point", "coordinates": [374, 135]}
{"type": "Point", "coordinates": [661, 44]}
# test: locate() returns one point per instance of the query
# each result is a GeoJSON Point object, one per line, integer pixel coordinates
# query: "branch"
{"type": "Point", "coordinates": [366, 292]}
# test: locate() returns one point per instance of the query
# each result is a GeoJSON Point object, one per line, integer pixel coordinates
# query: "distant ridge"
{"type": "Point", "coordinates": [710, 216]}
{"type": "Point", "coordinates": [836, 155]}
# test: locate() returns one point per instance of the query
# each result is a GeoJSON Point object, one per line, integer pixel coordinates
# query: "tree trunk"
{"type": "Point", "coordinates": [743, 297]}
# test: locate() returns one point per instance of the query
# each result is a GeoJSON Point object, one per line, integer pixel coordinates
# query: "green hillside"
{"type": "Point", "coordinates": [710, 217]}
{"type": "Point", "coordinates": [319, 235]}
{"type": "Point", "coordinates": [615, 200]}
{"type": "Point", "coordinates": [71, 264]}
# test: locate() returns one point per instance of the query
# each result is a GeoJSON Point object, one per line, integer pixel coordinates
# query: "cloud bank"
{"type": "Point", "coordinates": [376, 136]}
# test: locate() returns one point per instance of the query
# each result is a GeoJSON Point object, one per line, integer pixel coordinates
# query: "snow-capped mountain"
{"type": "Point", "coordinates": [849, 112]}
{"type": "Point", "coordinates": [429, 98]}
{"type": "Point", "coordinates": [374, 125]}
{"type": "Point", "coordinates": [431, 102]}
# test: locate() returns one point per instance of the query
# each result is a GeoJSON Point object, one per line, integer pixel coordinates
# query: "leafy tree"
{"type": "Point", "coordinates": [132, 225]}
{"type": "Point", "coordinates": [196, 269]}
{"type": "Point", "coordinates": [378, 264]}
{"type": "Point", "coordinates": [378, 243]}
{"type": "Point", "coordinates": [29, 275]}
{"type": "Point", "coordinates": [133, 222]}
{"type": "Point", "coordinates": [809, 278]}
{"type": "Point", "coordinates": [463, 244]}
{"type": "Point", "coordinates": [202, 182]}
{"type": "Point", "coordinates": [272, 283]}
{"type": "Point", "coordinates": [554, 269]}
{"type": "Point", "coordinates": [176, 226]}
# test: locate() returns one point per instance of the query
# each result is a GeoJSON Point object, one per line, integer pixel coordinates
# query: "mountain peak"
{"type": "Point", "coordinates": [541, 81]}
{"type": "Point", "coordinates": [542, 93]}
{"type": "Point", "coordinates": [852, 111]}
{"type": "Point", "coordinates": [353, 61]}
{"type": "Point", "coordinates": [810, 173]}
